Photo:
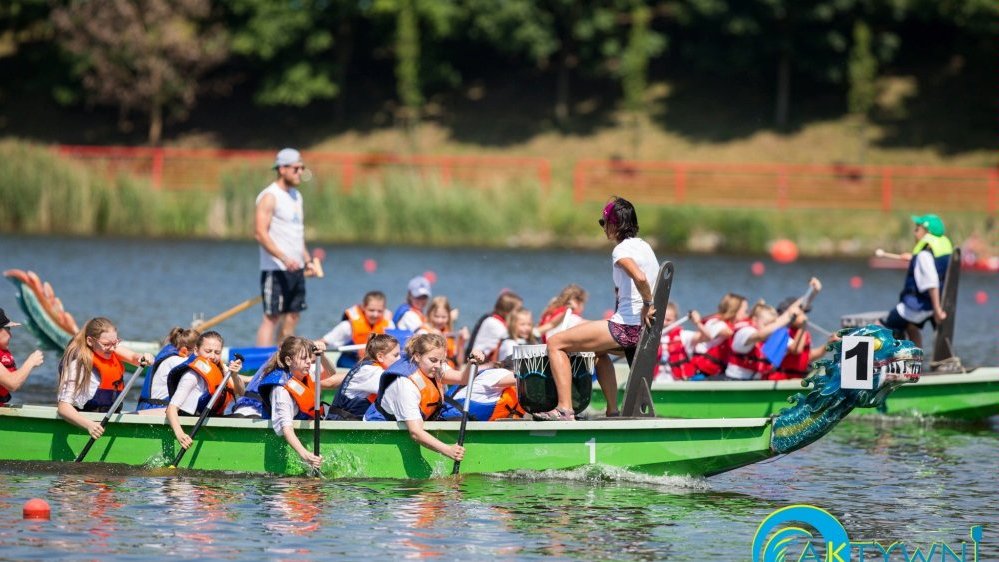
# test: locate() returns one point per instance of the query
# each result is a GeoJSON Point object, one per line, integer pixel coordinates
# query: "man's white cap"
{"type": "Point", "coordinates": [287, 157]}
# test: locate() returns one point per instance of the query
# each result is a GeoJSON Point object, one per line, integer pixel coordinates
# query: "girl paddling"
{"type": "Point", "coordinates": [155, 394]}
{"type": "Point", "coordinates": [192, 383]}
{"type": "Point", "coordinates": [11, 378]}
{"type": "Point", "coordinates": [91, 373]}
{"type": "Point", "coordinates": [360, 385]}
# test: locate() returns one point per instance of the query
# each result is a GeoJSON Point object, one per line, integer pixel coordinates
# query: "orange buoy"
{"type": "Point", "coordinates": [784, 251]}
{"type": "Point", "coordinates": [856, 282]}
{"type": "Point", "coordinates": [981, 297]}
{"type": "Point", "coordinates": [757, 268]}
{"type": "Point", "coordinates": [431, 276]}
{"type": "Point", "coordinates": [36, 508]}
{"type": "Point", "coordinates": [370, 265]}
{"type": "Point", "coordinates": [608, 313]}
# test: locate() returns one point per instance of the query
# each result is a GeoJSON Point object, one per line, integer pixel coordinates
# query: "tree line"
{"type": "Point", "coordinates": [156, 58]}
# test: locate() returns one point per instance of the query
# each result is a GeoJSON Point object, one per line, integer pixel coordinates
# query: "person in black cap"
{"type": "Point", "coordinates": [799, 347]}
{"type": "Point", "coordinates": [920, 300]}
{"type": "Point", "coordinates": [11, 378]}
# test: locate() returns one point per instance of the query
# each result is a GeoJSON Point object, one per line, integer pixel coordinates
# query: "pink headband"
{"type": "Point", "coordinates": [609, 214]}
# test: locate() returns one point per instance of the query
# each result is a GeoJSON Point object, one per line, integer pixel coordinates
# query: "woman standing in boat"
{"type": "Point", "coordinates": [634, 267]}
{"type": "Point", "coordinates": [91, 373]}
{"type": "Point", "coordinates": [192, 383]}
{"type": "Point", "coordinates": [411, 390]}
{"type": "Point", "coordinates": [287, 391]}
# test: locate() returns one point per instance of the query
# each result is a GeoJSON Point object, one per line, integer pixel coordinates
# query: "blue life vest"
{"type": "Point", "coordinates": [251, 397]}
{"type": "Point", "coordinates": [941, 249]}
{"type": "Point", "coordinates": [344, 408]}
{"type": "Point", "coordinates": [400, 312]}
{"type": "Point", "coordinates": [430, 405]}
{"type": "Point", "coordinates": [273, 379]}
{"type": "Point", "coordinates": [145, 401]}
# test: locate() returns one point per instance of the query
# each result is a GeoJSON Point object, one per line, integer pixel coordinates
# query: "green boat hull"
{"type": "Point", "coordinates": [385, 449]}
{"type": "Point", "coordinates": [969, 396]}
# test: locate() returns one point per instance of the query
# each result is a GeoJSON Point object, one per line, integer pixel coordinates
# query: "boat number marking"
{"type": "Point", "coordinates": [592, 445]}
{"type": "Point", "coordinates": [857, 363]}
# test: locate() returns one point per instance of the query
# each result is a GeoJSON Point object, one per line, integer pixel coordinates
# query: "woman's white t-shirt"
{"type": "Point", "coordinates": [491, 332]}
{"type": "Point", "coordinates": [78, 398]}
{"type": "Point", "coordinates": [365, 381]}
{"type": "Point", "coordinates": [402, 400]}
{"type": "Point", "coordinates": [484, 388]}
{"type": "Point", "coordinates": [189, 391]}
{"type": "Point", "coordinates": [629, 300]}
{"type": "Point", "coordinates": [159, 390]}
{"type": "Point", "coordinates": [283, 409]}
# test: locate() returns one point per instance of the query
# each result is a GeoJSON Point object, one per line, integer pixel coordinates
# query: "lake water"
{"type": "Point", "coordinates": [887, 480]}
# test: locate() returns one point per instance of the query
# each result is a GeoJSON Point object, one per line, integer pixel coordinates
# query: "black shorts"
{"type": "Point", "coordinates": [282, 291]}
{"type": "Point", "coordinates": [895, 321]}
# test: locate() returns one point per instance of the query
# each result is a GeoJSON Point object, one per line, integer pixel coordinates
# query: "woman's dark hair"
{"type": "Point", "coordinates": [621, 213]}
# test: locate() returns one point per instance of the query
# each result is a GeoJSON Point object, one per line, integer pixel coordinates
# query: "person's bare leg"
{"type": "Point", "coordinates": [265, 333]}
{"type": "Point", "coordinates": [607, 378]}
{"type": "Point", "coordinates": [588, 336]}
{"type": "Point", "coordinates": [289, 322]}
{"type": "Point", "coordinates": [914, 334]}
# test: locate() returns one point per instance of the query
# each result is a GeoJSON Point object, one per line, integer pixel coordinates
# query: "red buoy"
{"type": "Point", "coordinates": [370, 265]}
{"type": "Point", "coordinates": [608, 313]}
{"type": "Point", "coordinates": [757, 268]}
{"type": "Point", "coordinates": [431, 276]}
{"type": "Point", "coordinates": [856, 282]}
{"type": "Point", "coordinates": [981, 297]}
{"type": "Point", "coordinates": [36, 508]}
{"type": "Point", "coordinates": [784, 251]}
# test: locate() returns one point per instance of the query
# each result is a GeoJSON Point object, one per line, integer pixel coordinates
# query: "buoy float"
{"type": "Point", "coordinates": [856, 282]}
{"type": "Point", "coordinates": [319, 254]}
{"type": "Point", "coordinates": [370, 265]}
{"type": "Point", "coordinates": [981, 297]}
{"type": "Point", "coordinates": [757, 268]}
{"type": "Point", "coordinates": [37, 508]}
{"type": "Point", "coordinates": [784, 251]}
{"type": "Point", "coordinates": [608, 313]}
{"type": "Point", "coordinates": [431, 276]}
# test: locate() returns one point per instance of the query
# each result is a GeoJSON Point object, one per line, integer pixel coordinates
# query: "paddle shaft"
{"type": "Point", "coordinates": [114, 408]}
{"type": "Point", "coordinates": [223, 316]}
{"type": "Point", "coordinates": [883, 254]}
{"type": "Point", "coordinates": [821, 330]}
{"type": "Point", "coordinates": [204, 415]}
{"type": "Point", "coordinates": [317, 370]}
{"type": "Point", "coordinates": [669, 327]}
{"type": "Point", "coordinates": [473, 371]}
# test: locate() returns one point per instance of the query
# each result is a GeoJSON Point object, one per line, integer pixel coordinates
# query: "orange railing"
{"type": "Point", "coordinates": [789, 186]}
{"type": "Point", "coordinates": [183, 168]}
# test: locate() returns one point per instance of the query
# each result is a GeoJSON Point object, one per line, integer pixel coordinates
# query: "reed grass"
{"type": "Point", "coordinates": [42, 193]}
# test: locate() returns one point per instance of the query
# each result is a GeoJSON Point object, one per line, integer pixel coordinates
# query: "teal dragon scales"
{"type": "Point", "coordinates": [814, 414]}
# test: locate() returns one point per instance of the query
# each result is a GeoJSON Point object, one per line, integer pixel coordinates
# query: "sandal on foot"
{"type": "Point", "coordinates": [558, 414]}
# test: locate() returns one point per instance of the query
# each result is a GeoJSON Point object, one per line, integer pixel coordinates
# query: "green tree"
{"type": "Point", "coordinates": [142, 55]}
{"type": "Point", "coordinates": [863, 73]}
{"type": "Point", "coordinates": [642, 45]}
{"type": "Point", "coordinates": [407, 66]}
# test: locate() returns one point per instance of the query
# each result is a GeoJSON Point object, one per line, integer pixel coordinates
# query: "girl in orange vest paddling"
{"type": "Point", "coordinates": [91, 373]}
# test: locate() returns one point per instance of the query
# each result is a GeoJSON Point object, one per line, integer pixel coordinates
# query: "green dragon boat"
{"type": "Point", "coordinates": [963, 396]}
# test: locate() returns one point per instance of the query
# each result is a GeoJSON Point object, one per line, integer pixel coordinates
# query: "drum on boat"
{"type": "Point", "coordinates": [860, 319]}
{"type": "Point", "coordinates": [536, 385]}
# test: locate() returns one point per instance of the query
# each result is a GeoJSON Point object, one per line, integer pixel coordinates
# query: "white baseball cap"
{"type": "Point", "coordinates": [287, 157]}
{"type": "Point", "coordinates": [419, 286]}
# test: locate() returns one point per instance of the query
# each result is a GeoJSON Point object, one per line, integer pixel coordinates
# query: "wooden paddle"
{"type": "Point", "coordinates": [206, 412]}
{"type": "Point", "coordinates": [114, 408]}
{"type": "Point", "coordinates": [223, 316]}
{"type": "Point", "coordinates": [473, 371]}
{"type": "Point", "coordinates": [317, 371]}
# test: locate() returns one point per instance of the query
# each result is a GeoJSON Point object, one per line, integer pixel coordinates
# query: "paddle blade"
{"type": "Point", "coordinates": [775, 348]}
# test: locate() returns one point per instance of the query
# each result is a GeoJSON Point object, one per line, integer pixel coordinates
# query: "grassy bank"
{"type": "Point", "coordinates": [45, 194]}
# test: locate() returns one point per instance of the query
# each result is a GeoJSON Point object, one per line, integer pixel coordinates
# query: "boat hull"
{"type": "Point", "coordinates": [969, 396]}
{"type": "Point", "coordinates": [385, 449]}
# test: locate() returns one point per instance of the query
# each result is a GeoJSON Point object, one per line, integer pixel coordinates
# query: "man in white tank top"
{"type": "Point", "coordinates": [279, 227]}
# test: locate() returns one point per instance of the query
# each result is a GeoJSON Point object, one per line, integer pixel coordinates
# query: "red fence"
{"type": "Point", "coordinates": [789, 186]}
{"type": "Point", "coordinates": [774, 186]}
{"type": "Point", "coordinates": [181, 168]}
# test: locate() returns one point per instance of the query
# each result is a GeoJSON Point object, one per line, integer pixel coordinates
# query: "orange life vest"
{"type": "Point", "coordinates": [360, 329]}
{"type": "Point", "coordinates": [508, 405]}
{"type": "Point", "coordinates": [7, 360]}
{"type": "Point", "coordinates": [212, 375]}
{"type": "Point", "coordinates": [431, 395]}
{"type": "Point", "coordinates": [304, 394]}
{"type": "Point", "coordinates": [112, 374]}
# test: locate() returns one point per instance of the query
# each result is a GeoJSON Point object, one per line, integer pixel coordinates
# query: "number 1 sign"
{"type": "Point", "coordinates": [857, 363]}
